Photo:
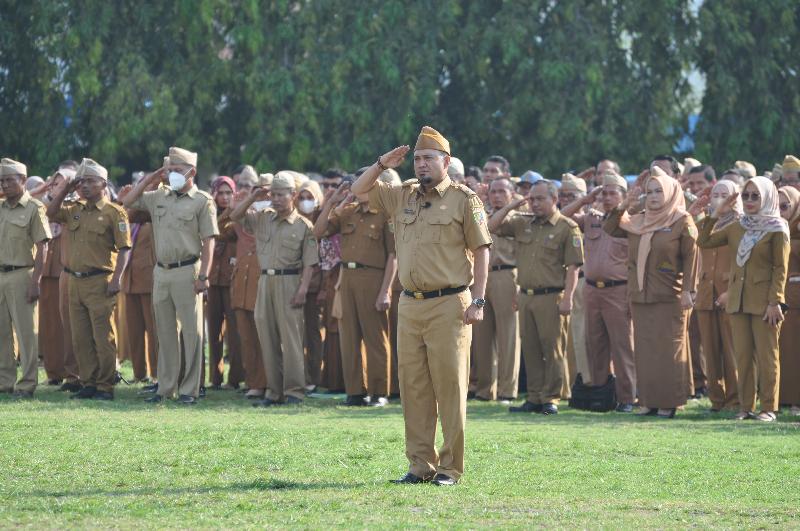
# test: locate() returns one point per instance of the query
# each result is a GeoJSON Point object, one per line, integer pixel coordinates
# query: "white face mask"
{"type": "Point", "coordinates": [716, 202]}
{"type": "Point", "coordinates": [177, 180]}
{"type": "Point", "coordinates": [307, 206]}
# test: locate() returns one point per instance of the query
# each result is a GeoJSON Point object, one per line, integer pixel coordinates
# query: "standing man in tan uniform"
{"type": "Point", "coordinates": [369, 266]}
{"type": "Point", "coordinates": [287, 252]}
{"type": "Point", "coordinates": [99, 241]}
{"type": "Point", "coordinates": [24, 233]}
{"type": "Point", "coordinates": [184, 226]}
{"type": "Point", "coordinates": [442, 244]}
{"type": "Point", "coordinates": [496, 338]}
{"type": "Point", "coordinates": [549, 253]}
{"type": "Point", "coordinates": [609, 333]}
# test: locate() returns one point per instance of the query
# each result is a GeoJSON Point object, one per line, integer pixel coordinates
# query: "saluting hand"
{"type": "Point", "coordinates": [259, 193]}
{"type": "Point", "coordinates": [726, 206]}
{"type": "Point", "coordinates": [700, 204]}
{"type": "Point", "coordinates": [518, 203]}
{"type": "Point", "coordinates": [592, 196]}
{"type": "Point", "coordinates": [633, 195]}
{"type": "Point", "coordinates": [641, 178]}
{"type": "Point", "coordinates": [394, 158]}
{"type": "Point", "coordinates": [123, 192]}
{"type": "Point", "coordinates": [587, 174]}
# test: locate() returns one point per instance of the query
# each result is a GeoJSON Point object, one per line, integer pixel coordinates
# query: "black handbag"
{"type": "Point", "coordinates": [594, 397]}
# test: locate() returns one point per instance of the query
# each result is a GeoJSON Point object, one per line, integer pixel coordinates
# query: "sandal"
{"type": "Point", "coordinates": [766, 416]}
{"type": "Point", "coordinates": [743, 415]}
{"type": "Point", "coordinates": [666, 413]}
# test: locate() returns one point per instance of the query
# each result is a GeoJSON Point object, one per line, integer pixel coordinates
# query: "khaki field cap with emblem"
{"type": "Point", "coordinates": [90, 168]}
{"type": "Point", "coordinates": [746, 167]}
{"type": "Point", "coordinates": [571, 183]}
{"type": "Point", "coordinates": [790, 163]}
{"type": "Point", "coordinates": [430, 138]}
{"type": "Point", "coordinates": [182, 157]}
{"type": "Point", "coordinates": [12, 167]}
{"type": "Point", "coordinates": [611, 177]}
{"type": "Point", "coordinates": [283, 181]}
{"type": "Point", "coordinates": [265, 179]}
{"type": "Point", "coordinates": [248, 176]}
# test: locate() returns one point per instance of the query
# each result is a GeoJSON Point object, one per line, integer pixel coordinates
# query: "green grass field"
{"type": "Point", "coordinates": [224, 464]}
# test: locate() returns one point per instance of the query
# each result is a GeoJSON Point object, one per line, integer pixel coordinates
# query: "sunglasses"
{"type": "Point", "coordinates": [330, 185]}
{"type": "Point", "coordinates": [751, 196]}
{"type": "Point", "coordinates": [785, 206]}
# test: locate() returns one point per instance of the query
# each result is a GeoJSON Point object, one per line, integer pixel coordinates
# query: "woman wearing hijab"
{"type": "Point", "coordinates": [759, 245]}
{"type": "Point", "coordinates": [712, 288]}
{"type": "Point", "coordinates": [220, 316]}
{"type": "Point", "coordinates": [661, 279]}
{"type": "Point", "coordinates": [789, 203]}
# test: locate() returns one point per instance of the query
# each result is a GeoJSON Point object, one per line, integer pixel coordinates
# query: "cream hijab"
{"type": "Point", "coordinates": [736, 212]}
{"type": "Point", "coordinates": [759, 225]}
{"type": "Point", "coordinates": [650, 221]}
{"type": "Point", "coordinates": [793, 195]}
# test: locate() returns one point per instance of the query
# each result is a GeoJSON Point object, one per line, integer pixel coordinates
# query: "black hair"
{"type": "Point", "coordinates": [474, 172]}
{"type": "Point", "coordinates": [673, 162]}
{"type": "Point", "coordinates": [359, 172]}
{"type": "Point", "coordinates": [238, 169]}
{"type": "Point", "coordinates": [502, 161]}
{"type": "Point", "coordinates": [706, 170]}
{"type": "Point", "coordinates": [333, 173]}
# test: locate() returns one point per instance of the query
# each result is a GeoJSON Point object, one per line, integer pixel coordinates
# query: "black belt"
{"type": "Point", "coordinates": [87, 274]}
{"type": "Point", "coordinates": [173, 265]}
{"type": "Point", "coordinates": [502, 267]}
{"type": "Point", "coordinates": [278, 272]}
{"type": "Point", "coordinates": [356, 265]}
{"type": "Point", "coordinates": [540, 291]}
{"type": "Point", "coordinates": [8, 269]}
{"type": "Point", "coordinates": [606, 283]}
{"type": "Point", "coordinates": [433, 294]}
{"type": "Point", "coordinates": [580, 273]}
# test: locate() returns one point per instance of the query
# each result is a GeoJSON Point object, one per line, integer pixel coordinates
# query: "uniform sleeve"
{"type": "Point", "coordinates": [146, 200]}
{"type": "Point", "coordinates": [385, 197]}
{"type": "Point", "coordinates": [611, 226]}
{"type": "Point", "coordinates": [573, 247]}
{"type": "Point", "coordinates": [122, 230]}
{"type": "Point", "coordinates": [62, 215]}
{"type": "Point", "coordinates": [334, 224]}
{"type": "Point", "coordinates": [707, 240]}
{"type": "Point", "coordinates": [507, 228]}
{"type": "Point", "coordinates": [580, 219]}
{"type": "Point", "coordinates": [388, 238]}
{"type": "Point", "coordinates": [310, 249]}
{"type": "Point", "coordinates": [250, 220]}
{"type": "Point", "coordinates": [207, 218]}
{"type": "Point", "coordinates": [780, 265]}
{"type": "Point", "coordinates": [40, 228]}
{"type": "Point", "coordinates": [689, 255]}
{"type": "Point", "coordinates": [476, 232]}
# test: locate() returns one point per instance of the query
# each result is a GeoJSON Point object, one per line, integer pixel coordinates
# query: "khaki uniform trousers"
{"type": "Point", "coordinates": [141, 325]}
{"type": "Point", "coordinates": [609, 338]}
{"type": "Point", "coordinates": [175, 304]}
{"type": "Point", "coordinates": [755, 345]}
{"type": "Point", "coordinates": [544, 341]}
{"type": "Point", "coordinates": [576, 340]}
{"type": "Point", "coordinates": [695, 342]}
{"type": "Point", "coordinates": [495, 340]}
{"type": "Point", "coordinates": [717, 340]}
{"type": "Point", "coordinates": [18, 314]}
{"type": "Point", "coordinates": [91, 314]}
{"type": "Point", "coordinates": [393, 317]}
{"type": "Point", "coordinates": [280, 332]}
{"type": "Point", "coordinates": [51, 333]}
{"type": "Point", "coordinates": [312, 315]}
{"type": "Point", "coordinates": [362, 322]}
{"type": "Point", "coordinates": [70, 361]}
{"type": "Point", "coordinates": [433, 362]}
{"type": "Point", "coordinates": [252, 361]}
{"type": "Point", "coordinates": [221, 321]}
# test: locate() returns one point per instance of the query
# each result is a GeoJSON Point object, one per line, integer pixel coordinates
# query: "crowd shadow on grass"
{"type": "Point", "coordinates": [258, 485]}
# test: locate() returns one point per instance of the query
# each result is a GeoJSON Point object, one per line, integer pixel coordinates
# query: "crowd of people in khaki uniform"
{"type": "Point", "coordinates": [457, 284]}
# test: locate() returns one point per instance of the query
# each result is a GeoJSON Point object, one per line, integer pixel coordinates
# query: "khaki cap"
{"type": "Point", "coordinates": [571, 183]}
{"type": "Point", "coordinates": [90, 168]}
{"type": "Point", "coordinates": [456, 167]}
{"type": "Point", "coordinates": [430, 138]}
{"type": "Point", "coordinates": [12, 167]}
{"type": "Point", "coordinates": [283, 181]}
{"type": "Point", "coordinates": [181, 156]}
{"type": "Point", "coordinates": [790, 163]}
{"type": "Point", "coordinates": [611, 177]}
{"type": "Point", "coordinates": [248, 175]}
{"type": "Point", "coordinates": [265, 179]}
{"type": "Point", "coordinates": [748, 169]}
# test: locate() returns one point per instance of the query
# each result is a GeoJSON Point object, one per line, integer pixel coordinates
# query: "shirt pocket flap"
{"type": "Point", "coordinates": [440, 220]}
{"type": "Point", "coordinates": [348, 228]}
{"type": "Point", "coordinates": [761, 275]}
{"type": "Point", "coordinates": [291, 243]}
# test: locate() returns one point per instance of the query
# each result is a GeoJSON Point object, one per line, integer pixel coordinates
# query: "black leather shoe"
{"type": "Point", "coordinates": [482, 399]}
{"type": "Point", "coordinates": [85, 393]}
{"type": "Point", "coordinates": [293, 400]}
{"type": "Point", "coordinates": [526, 407]}
{"type": "Point", "coordinates": [103, 395]}
{"type": "Point", "coordinates": [202, 393]}
{"type": "Point", "coordinates": [155, 399]}
{"type": "Point", "coordinates": [624, 408]}
{"type": "Point", "coordinates": [549, 409]}
{"type": "Point", "coordinates": [356, 400]}
{"type": "Point", "coordinates": [470, 395]}
{"type": "Point", "coordinates": [505, 398]}
{"type": "Point", "coordinates": [72, 387]}
{"type": "Point", "coordinates": [441, 480]}
{"type": "Point", "coordinates": [186, 399]}
{"type": "Point", "coordinates": [152, 388]}
{"type": "Point", "coordinates": [54, 381]}
{"type": "Point", "coordinates": [409, 479]}
{"type": "Point", "coordinates": [266, 402]}
{"type": "Point", "coordinates": [22, 395]}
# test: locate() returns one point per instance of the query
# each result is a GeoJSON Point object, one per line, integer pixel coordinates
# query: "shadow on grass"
{"type": "Point", "coordinates": [258, 485]}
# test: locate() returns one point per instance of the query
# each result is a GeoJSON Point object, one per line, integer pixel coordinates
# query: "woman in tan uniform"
{"type": "Point", "coordinates": [309, 204]}
{"type": "Point", "coordinates": [715, 327]}
{"type": "Point", "coordinates": [789, 202]}
{"type": "Point", "coordinates": [759, 245]}
{"type": "Point", "coordinates": [661, 279]}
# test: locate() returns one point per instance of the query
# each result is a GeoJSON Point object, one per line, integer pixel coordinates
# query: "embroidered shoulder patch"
{"type": "Point", "coordinates": [576, 241]}
{"type": "Point", "coordinates": [692, 231]}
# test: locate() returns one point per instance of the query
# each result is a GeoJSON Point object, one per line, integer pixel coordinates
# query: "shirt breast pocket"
{"type": "Point", "coordinates": [186, 220]}
{"type": "Point", "coordinates": [404, 228]}
{"type": "Point", "coordinates": [17, 228]}
{"type": "Point", "coordinates": [97, 231]}
{"type": "Point", "coordinates": [291, 248]}
{"type": "Point", "coordinates": [348, 228]}
{"type": "Point", "coordinates": [439, 229]}
{"type": "Point", "coordinates": [551, 251]}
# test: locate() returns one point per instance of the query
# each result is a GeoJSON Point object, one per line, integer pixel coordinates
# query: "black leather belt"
{"type": "Point", "coordinates": [173, 265]}
{"type": "Point", "coordinates": [278, 272]}
{"type": "Point", "coordinates": [87, 274]}
{"type": "Point", "coordinates": [433, 294]}
{"type": "Point", "coordinates": [8, 269]}
{"type": "Point", "coordinates": [540, 291]}
{"type": "Point", "coordinates": [605, 283]}
{"type": "Point", "coordinates": [502, 267]}
{"type": "Point", "coordinates": [356, 265]}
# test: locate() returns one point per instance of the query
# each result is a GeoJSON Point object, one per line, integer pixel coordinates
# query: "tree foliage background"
{"type": "Point", "coordinates": [309, 84]}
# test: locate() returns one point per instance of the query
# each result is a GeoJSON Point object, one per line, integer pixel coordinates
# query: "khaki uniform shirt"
{"type": "Point", "coordinates": [282, 243]}
{"type": "Point", "coordinates": [221, 272]}
{"type": "Point", "coordinates": [545, 247]}
{"type": "Point", "coordinates": [606, 256]}
{"type": "Point", "coordinates": [793, 281]}
{"type": "Point", "coordinates": [180, 222]}
{"type": "Point", "coordinates": [762, 280]}
{"type": "Point", "coordinates": [21, 228]}
{"type": "Point", "coordinates": [715, 271]}
{"type": "Point", "coordinates": [503, 251]}
{"type": "Point", "coordinates": [366, 235]}
{"type": "Point", "coordinates": [137, 279]}
{"type": "Point", "coordinates": [434, 231]}
{"type": "Point", "coordinates": [671, 265]}
{"type": "Point", "coordinates": [52, 261]}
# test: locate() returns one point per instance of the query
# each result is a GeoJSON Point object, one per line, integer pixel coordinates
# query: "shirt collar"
{"type": "Point", "coordinates": [103, 201]}
{"type": "Point", "coordinates": [23, 201]}
{"type": "Point", "coordinates": [443, 186]}
{"type": "Point", "coordinates": [290, 219]}
{"type": "Point", "coordinates": [191, 192]}
{"type": "Point", "coordinates": [552, 220]}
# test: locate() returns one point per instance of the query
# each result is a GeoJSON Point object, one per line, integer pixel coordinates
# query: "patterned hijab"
{"type": "Point", "coordinates": [759, 225]}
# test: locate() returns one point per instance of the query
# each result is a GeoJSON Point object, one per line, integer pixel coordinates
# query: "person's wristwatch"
{"type": "Point", "coordinates": [202, 278]}
{"type": "Point", "coordinates": [480, 303]}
